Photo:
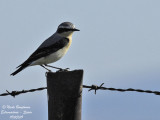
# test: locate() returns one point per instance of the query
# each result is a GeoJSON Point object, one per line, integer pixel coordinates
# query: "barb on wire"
{"type": "Point", "coordinates": [92, 87]}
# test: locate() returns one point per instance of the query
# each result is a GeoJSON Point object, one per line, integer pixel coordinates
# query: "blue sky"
{"type": "Point", "coordinates": [118, 44]}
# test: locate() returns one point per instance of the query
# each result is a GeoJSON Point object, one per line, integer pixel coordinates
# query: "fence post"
{"type": "Point", "coordinates": [64, 95]}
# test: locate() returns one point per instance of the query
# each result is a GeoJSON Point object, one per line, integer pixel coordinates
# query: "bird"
{"type": "Point", "coordinates": [52, 49]}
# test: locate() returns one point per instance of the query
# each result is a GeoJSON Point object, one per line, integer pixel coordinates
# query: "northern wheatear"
{"type": "Point", "coordinates": [52, 49]}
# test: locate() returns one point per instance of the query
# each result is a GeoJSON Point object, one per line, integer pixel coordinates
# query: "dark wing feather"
{"type": "Point", "coordinates": [45, 51]}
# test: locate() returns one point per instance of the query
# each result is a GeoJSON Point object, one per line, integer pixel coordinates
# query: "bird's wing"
{"type": "Point", "coordinates": [49, 46]}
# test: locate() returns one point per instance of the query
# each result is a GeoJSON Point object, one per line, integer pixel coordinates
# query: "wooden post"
{"type": "Point", "coordinates": [64, 95]}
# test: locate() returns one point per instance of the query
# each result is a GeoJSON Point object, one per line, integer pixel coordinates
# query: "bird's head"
{"type": "Point", "coordinates": [66, 29]}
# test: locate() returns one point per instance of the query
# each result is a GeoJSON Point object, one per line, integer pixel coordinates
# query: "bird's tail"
{"type": "Point", "coordinates": [19, 69]}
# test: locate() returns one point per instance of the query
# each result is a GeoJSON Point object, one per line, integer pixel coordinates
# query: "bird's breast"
{"type": "Point", "coordinates": [58, 54]}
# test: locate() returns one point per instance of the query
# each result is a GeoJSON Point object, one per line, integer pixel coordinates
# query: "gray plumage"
{"type": "Point", "coordinates": [52, 49]}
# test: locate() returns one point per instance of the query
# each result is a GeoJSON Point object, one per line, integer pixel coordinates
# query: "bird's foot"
{"type": "Point", "coordinates": [63, 70]}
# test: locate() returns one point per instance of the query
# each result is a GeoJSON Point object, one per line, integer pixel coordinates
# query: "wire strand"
{"type": "Point", "coordinates": [92, 87]}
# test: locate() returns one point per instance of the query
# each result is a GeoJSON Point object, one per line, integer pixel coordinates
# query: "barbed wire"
{"type": "Point", "coordinates": [15, 93]}
{"type": "Point", "coordinates": [92, 87]}
{"type": "Point", "coordinates": [95, 87]}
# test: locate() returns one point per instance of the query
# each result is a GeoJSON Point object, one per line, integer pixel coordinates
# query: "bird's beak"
{"type": "Point", "coordinates": [75, 29]}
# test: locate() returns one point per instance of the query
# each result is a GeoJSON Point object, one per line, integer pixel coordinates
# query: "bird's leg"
{"type": "Point", "coordinates": [46, 68]}
{"type": "Point", "coordinates": [52, 67]}
{"type": "Point", "coordinates": [59, 69]}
